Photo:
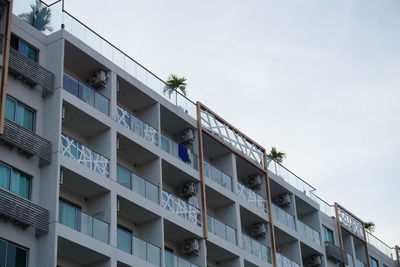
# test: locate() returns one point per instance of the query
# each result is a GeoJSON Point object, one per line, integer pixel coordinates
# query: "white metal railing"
{"type": "Point", "coordinates": [180, 207]}
{"type": "Point", "coordinates": [252, 197]}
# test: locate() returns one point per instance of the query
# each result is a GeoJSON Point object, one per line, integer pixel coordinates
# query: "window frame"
{"type": "Point", "coordinates": [326, 230]}
{"type": "Point", "coordinates": [372, 259]}
{"type": "Point", "coordinates": [26, 107]}
{"type": "Point", "coordinates": [28, 176]}
{"type": "Point", "coordinates": [26, 249]}
{"type": "Point", "coordinates": [20, 40]}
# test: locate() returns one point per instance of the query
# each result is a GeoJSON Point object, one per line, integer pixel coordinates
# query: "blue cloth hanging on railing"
{"type": "Point", "coordinates": [183, 153]}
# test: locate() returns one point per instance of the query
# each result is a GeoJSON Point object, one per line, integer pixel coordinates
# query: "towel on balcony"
{"type": "Point", "coordinates": [183, 153]}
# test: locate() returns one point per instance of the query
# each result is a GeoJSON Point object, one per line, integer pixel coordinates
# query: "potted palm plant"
{"type": "Point", "coordinates": [276, 156]}
{"type": "Point", "coordinates": [39, 17]}
{"type": "Point", "coordinates": [369, 226]}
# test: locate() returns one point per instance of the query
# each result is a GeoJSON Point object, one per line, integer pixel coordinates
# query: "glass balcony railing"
{"type": "Point", "coordinates": [381, 246]}
{"type": "Point", "coordinates": [290, 178]}
{"type": "Point", "coordinates": [256, 248]}
{"type": "Point", "coordinates": [181, 208]}
{"type": "Point", "coordinates": [179, 152]}
{"type": "Point", "coordinates": [78, 220]}
{"type": "Point", "coordinates": [283, 217]}
{"type": "Point", "coordinates": [172, 260]}
{"type": "Point", "coordinates": [138, 247]}
{"type": "Point", "coordinates": [252, 197]}
{"type": "Point", "coordinates": [359, 263]}
{"type": "Point", "coordinates": [285, 262]}
{"type": "Point", "coordinates": [84, 156]}
{"type": "Point", "coordinates": [218, 176]}
{"type": "Point", "coordinates": [137, 126]}
{"type": "Point", "coordinates": [86, 94]}
{"type": "Point", "coordinates": [350, 262]}
{"type": "Point", "coordinates": [309, 233]}
{"type": "Point", "coordinates": [137, 184]}
{"type": "Point", "coordinates": [323, 205]}
{"type": "Point", "coordinates": [222, 230]}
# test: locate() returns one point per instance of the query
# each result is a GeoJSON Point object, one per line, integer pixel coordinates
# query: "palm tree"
{"type": "Point", "coordinates": [369, 226]}
{"type": "Point", "coordinates": [276, 155]}
{"type": "Point", "coordinates": [177, 83]}
{"type": "Point", "coordinates": [39, 17]}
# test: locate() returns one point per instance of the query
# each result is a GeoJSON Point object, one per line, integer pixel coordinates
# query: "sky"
{"type": "Point", "coordinates": [318, 79]}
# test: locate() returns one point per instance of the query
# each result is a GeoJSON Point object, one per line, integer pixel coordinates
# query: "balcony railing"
{"type": "Point", "coordinates": [137, 184]}
{"type": "Point", "coordinates": [86, 94]}
{"type": "Point", "coordinates": [285, 262]}
{"type": "Point", "coordinates": [309, 233]}
{"type": "Point", "coordinates": [137, 126]}
{"type": "Point", "coordinates": [24, 212]}
{"type": "Point", "coordinates": [78, 220]}
{"type": "Point", "coordinates": [138, 247]}
{"type": "Point", "coordinates": [84, 156]}
{"type": "Point", "coordinates": [172, 260]}
{"type": "Point", "coordinates": [283, 217]}
{"type": "Point", "coordinates": [252, 197]}
{"type": "Point", "coordinates": [256, 248]}
{"type": "Point", "coordinates": [222, 230]}
{"type": "Point", "coordinates": [181, 207]}
{"type": "Point", "coordinates": [359, 263]}
{"type": "Point", "coordinates": [290, 178]}
{"type": "Point", "coordinates": [381, 246]}
{"type": "Point", "coordinates": [350, 260]}
{"type": "Point", "coordinates": [31, 72]}
{"type": "Point", "coordinates": [27, 141]}
{"type": "Point", "coordinates": [178, 152]}
{"type": "Point", "coordinates": [217, 176]}
{"type": "Point", "coordinates": [323, 205]}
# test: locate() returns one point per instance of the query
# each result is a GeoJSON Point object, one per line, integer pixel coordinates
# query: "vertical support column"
{"type": "Point", "coordinates": [6, 56]}
{"type": "Point", "coordinates": [397, 248]}
{"type": "Point", "coordinates": [201, 171]}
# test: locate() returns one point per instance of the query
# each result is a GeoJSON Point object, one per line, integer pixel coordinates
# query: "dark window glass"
{"type": "Point", "coordinates": [14, 42]}
{"type": "Point", "coordinates": [12, 255]}
{"type": "Point", "coordinates": [374, 262]}
{"type": "Point", "coordinates": [20, 114]}
{"type": "Point", "coordinates": [14, 181]}
{"type": "Point", "coordinates": [3, 251]}
{"type": "Point", "coordinates": [24, 48]}
{"type": "Point", "coordinates": [328, 235]}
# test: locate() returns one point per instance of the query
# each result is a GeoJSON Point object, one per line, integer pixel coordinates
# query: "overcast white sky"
{"type": "Point", "coordinates": [319, 79]}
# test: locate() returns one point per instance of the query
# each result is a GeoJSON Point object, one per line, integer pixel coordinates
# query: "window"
{"type": "Point", "coordinates": [328, 235]}
{"type": "Point", "coordinates": [20, 114]}
{"type": "Point", "coordinates": [24, 48]}
{"type": "Point", "coordinates": [12, 255]}
{"type": "Point", "coordinates": [15, 181]}
{"type": "Point", "coordinates": [374, 262]}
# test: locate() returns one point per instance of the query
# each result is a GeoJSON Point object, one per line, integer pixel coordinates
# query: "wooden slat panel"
{"type": "Point", "coordinates": [26, 140]}
{"type": "Point", "coordinates": [23, 211]}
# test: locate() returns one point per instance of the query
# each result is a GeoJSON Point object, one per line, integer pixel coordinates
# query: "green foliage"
{"type": "Point", "coordinates": [177, 83]}
{"type": "Point", "coordinates": [276, 155]}
{"type": "Point", "coordinates": [369, 226]}
{"type": "Point", "coordinates": [39, 17]}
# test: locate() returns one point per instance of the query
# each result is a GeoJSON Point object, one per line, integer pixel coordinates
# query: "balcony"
{"type": "Point", "coordinates": [86, 94]}
{"type": "Point", "coordinates": [380, 245]}
{"type": "Point", "coordinates": [285, 262]}
{"type": "Point", "coordinates": [138, 247]}
{"type": "Point", "coordinates": [359, 263]}
{"type": "Point", "coordinates": [350, 260]}
{"type": "Point", "coordinates": [283, 217]}
{"type": "Point", "coordinates": [30, 72]}
{"type": "Point", "coordinates": [23, 212]}
{"type": "Point", "coordinates": [252, 197]}
{"type": "Point", "coordinates": [27, 141]}
{"type": "Point", "coordinates": [172, 260]}
{"type": "Point", "coordinates": [84, 156]}
{"type": "Point", "coordinates": [256, 248]}
{"type": "Point", "coordinates": [222, 230]}
{"type": "Point", "coordinates": [309, 233]}
{"type": "Point", "coordinates": [137, 184]}
{"type": "Point", "coordinates": [137, 126]}
{"type": "Point", "coordinates": [78, 220]}
{"type": "Point", "coordinates": [181, 208]}
{"type": "Point", "coordinates": [218, 176]}
{"type": "Point", "coordinates": [172, 148]}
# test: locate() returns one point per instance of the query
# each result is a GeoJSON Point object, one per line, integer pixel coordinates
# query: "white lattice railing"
{"type": "Point", "coordinates": [83, 155]}
{"type": "Point", "coordinates": [181, 208]}
{"type": "Point", "coordinates": [351, 223]}
{"type": "Point", "coordinates": [252, 197]}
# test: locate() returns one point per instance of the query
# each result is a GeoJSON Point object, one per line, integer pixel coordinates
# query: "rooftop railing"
{"type": "Point", "coordinates": [80, 221]}
{"type": "Point", "coordinates": [252, 197]}
{"type": "Point", "coordinates": [256, 248]}
{"type": "Point", "coordinates": [285, 262]}
{"type": "Point", "coordinates": [136, 125]}
{"type": "Point", "coordinates": [86, 94]}
{"type": "Point", "coordinates": [324, 206]}
{"type": "Point", "coordinates": [173, 148]}
{"type": "Point", "coordinates": [172, 260]}
{"type": "Point", "coordinates": [222, 230]}
{"type": "Point", "coordinates": [309, 233]}
{"type": "Point", "coordinates": [381, 246]}
{"type": "Point", "coordinates": [181, 208]}
{"type": "Point", "coordinates": [84, 155]}
{"type": "Point", "coordinates": [217, 176]}
{"type": "Point", "coordinates": [283, 217]}
{"type": "Point", "coordinates": [137, 184]}
{"type": "Point", "coordinates": [138, 247]}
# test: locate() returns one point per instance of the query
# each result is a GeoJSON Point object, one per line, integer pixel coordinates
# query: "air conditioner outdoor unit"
{"type": "Point", "coordinates": [189, 190]}
{"type": "Point", "coordinates": [186, 137]}
{"type": "Point", "coordinates": [254, 181]}
{"type": "Point", "coordinates": [258, 230]}
{"type": "Point", "coordinates": [98, 80]}
{"type": "Point", "coordinates": [191, 247]}
{"type": "Point", "coordinates": [314, 261]}
{"type": "Point", "coordinates": [284, 200]}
